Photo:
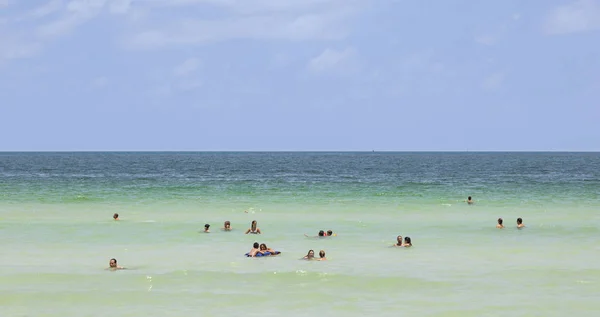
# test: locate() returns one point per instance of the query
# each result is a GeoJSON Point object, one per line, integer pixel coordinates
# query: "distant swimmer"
{"type": "Point", "coordinates": [331, 234]}
{"type": "Point", "coordinates": [520, 223]}
{"type": "Point", "coordinates": [310, 255]}
{"type": "Point", "coordinates": [116, 216]}
{"type": "Point", "coordinates": [399, 242]}
{"type": "Point", "coordinates": [321, 234]}
{"type": "Point", "coordinates": [500, 225]}
{"type": "Point", "coordinates": [322, 256]}
{"type": "Point", "coordinates": [227, 226]}
{"type": "Point", "coordinates": [407, 242]}
{"type": "Point", "coordinates": [469, 200]}
{"type": "Point", "coordinates": [206, 228]}
{"type": "Point", "coordinates": [253, 228]}
{"type": "Point", "coordinates": [112, 265]}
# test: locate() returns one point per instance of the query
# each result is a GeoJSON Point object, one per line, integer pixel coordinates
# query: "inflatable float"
{"type": "Point", "coordinates": [263, 254]}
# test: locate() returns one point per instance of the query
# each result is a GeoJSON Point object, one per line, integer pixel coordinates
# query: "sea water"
{"type": "Point", "coordinates": [57, 234]}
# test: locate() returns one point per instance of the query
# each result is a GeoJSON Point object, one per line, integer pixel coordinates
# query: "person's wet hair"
{"type": "Point", "coordinates": [407, 240]}
{"type": "Point", "coordinates": [227, 223]}
{"type": "Point", "coordinates": [322, 253]}
{"type": "Point", "coordinates": [469, 198]}
{"type": "Point", "coordinates": [116, 215]}
{"type": "Point", "coordinates": [329, 232]}
{"type": "Point", "coordinates": [519, 220]}
{"type": "Point", "coordinates": [321, 233]}
{"type": "Point", "coordinates": [113, 260]}
{"type": "Point", "coordinates": [206, 226]}
{"type": "Point", "coordinates": [263, 246]}
{"type": "Point", "coordinates": [500, 221]}
{"type": "Point", "coordinates": [256, 245]}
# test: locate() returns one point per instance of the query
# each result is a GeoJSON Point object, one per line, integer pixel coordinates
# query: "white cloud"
{"type": "Point", "coordinates": [333, 60]}
{"type": "Point", "coordinates": [46, 9]}
{"type": "Point", "coordinates": [579, 16]}
{"type": "Point", "coordinates": [120, 6]}
{"type": "Point", "coordinates": [187, 67]}
{"type": "Point", "coordinates": [493, 82]}
{"type": "Point", "coordinates": [321, 26]}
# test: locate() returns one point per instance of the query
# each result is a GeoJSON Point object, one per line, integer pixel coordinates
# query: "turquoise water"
{"type": "Point", "coordinates": [57, 234]}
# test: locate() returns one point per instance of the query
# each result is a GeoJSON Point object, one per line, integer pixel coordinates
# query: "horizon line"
{"type": "Point", "coordinates": [300, 151]}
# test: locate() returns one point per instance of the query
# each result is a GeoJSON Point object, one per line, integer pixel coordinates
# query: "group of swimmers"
{"type": "Point", "coordinates": [262, 249]}
{"type": "Point", "coordinates": [520, 224]}
{"type": "Point", "coordinates": [500, 224]}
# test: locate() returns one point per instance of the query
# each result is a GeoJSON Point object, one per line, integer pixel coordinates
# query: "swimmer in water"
{"type": "Point", "coordinates": [407, 242]}
{"type": "Point", "coordinates": [206, 227]}
{"type": "Point", "coordinates": [253, 228]}
{"type": "Point", "coordinates": [331, 234]}
{"type": "Point", "coordinates": [500, 225]}
{"type": "Point", "coordinates": [310, 255]}
{"type": "Point", "coordinates": [520, 223]}
{"type": "Point", "coordinates": [112, 265]}
{"type": "Point", "coordinates": [321, 234]}
{"type": "Point", "coordinates": [264, 249]}
{"type": "Point", "coordinates": [322, 256]}
{"type": "Point", "coordinates": [227, 226]}
{"type": "Point", "coordinates": [469, 200]}
{"type": "Point", "coordinates": [399, 242]}
{"type": "Point", "coordinates": [116, 216]}
{"type": "Point", "coordinates": [255, 249]}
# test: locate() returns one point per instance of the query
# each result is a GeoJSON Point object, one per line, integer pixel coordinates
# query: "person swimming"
{"type": "Point", "coordinates": [264, 249]}
{"type": "Point", "coordinates": [469, 200]}
{"type": "Point", "coordinates": [112, 265]}
{"type": "Point", "coordinates": [321, 234]}
{"type": "Point", "coordinates": [330, 233]}
{"type": "Point", "coordinates": [407, 242]}
{"type": "Point", "coordinates": [500, 225]}
{"type": "Point", "coordinates": [322, 255]}
{"type": "Point", "coordinates": [253, 228]}
{"type": "Point", "coordinates": [520, 223]}
{"type": "Point", "coordinates": [206, 228]}
{"type": "Point", "coordinates": [116, 216]}
{"type": "Point", "coordinates": [399, 242]}
{"type": "Point", "coordinates": [255, 249]}
{"type": "Point", "coordinates": [227, 226]}
{"type": "Point", "coordinates": [310, 255]}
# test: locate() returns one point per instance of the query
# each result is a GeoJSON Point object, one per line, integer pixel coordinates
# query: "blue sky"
{"type": "Point", "coordinates": [299, 75]}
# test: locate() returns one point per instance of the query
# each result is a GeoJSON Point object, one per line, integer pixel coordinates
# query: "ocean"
{"type": "Point", "coordinates": [57, 234]}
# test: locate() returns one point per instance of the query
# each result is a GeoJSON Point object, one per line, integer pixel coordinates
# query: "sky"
{"type": "Point", "coordinates": [299, 75]}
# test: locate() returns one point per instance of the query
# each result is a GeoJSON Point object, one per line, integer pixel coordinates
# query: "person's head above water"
{"type": "Point", "coordinates": [256, 245]}
{"type": "Point", "coordinates": [227, 225]}
{"type": "Point", "coordinates": [519, 221]}
{"type": "Point", "coordinates": [263, 247]}
{"type": "Point", "coordinates": [206, 226]}
{"type": "Point", "coordinates": [310, 254]}
{"type": "Point", "coordinates": [116, 216]}
{"type": "Point", "coordinates": [469, 198]}
{"type": "Point", "coordinates": [407, 240]}
{"type": "Point", "coordinates": [322, 253]}
{"type": "Point", "coordinates": [500, 221]}
{"type": "Point", "coordinates": [112, 263]}
{"type": "Point", "coordinates": [321, 233]}
{"type": "Point", "coordinates": [329, 233]}
{"type": "Point", "coordinates": [399, 239]}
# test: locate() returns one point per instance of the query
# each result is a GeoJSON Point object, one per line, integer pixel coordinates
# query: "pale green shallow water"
{"type": "Point", "coordinates": [57, 235]}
